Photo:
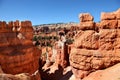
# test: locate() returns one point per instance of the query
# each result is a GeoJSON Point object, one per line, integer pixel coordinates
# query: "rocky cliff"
{"type": "Point", "coordinates": [97, 45]}
{"type": "Point", "coordinates": [17, 53]}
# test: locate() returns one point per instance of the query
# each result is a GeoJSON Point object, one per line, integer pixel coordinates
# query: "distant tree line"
{"type": "Point", "coordinates": [45, 40]}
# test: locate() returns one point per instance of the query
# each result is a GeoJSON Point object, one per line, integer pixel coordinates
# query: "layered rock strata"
{"type": "Point", "coordinates": [97, 45]}
{"type": "Point", "coordinates": [17, 53]}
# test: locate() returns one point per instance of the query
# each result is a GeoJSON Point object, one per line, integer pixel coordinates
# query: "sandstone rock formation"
{"type": "Point", "coordinates": [14, 77]}
{"type": "Point", "coordinates": [18, 55]}
{"type": "Point", "coordinates": [56, 62]}
{"type": "Point", "coordinates": [112, 73]}
{"type": "Point", "coordinates": [85, 17]}
{"type": "Point", "coordinates": [97, 45]}
{"type": "Point", "coordinates": [58, 54]}
{"type": "Point", "coordinates": [86, 22]}
{"type": "Point", "coordinates": [1, 71]}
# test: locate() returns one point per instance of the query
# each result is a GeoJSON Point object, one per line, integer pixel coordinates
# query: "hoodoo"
{"type": "Point", "coordinates": [97, 45]}
{"type": "Point", "coordinates": [17, 52]}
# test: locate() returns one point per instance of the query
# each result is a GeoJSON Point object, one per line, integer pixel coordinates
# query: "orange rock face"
{"type": "Point", "coordinates": [111, 73]}
{"type": "Point", "coordinates": [18, 55]}
{"type": "Point", "coordinates": [118, 14]}
{"type": "Point", "coordinates": [87, 25]}
{"type": "Point", "coordinates": [119, 24]}
{"type": "Point", "coordinates": [14, 77]}
{"type": "Point", "coordinates": [96, 49]}
{"type": "Point", "coordinates": [85, 17]}
{"type": "Point", "coordinates": [109, 24]}
{"type": "Point", "coordinates": [108, 16]}
{"type": "Point", "coordinates": [86, 22]}
{"type": "Point", "coordinates": [87, 39]}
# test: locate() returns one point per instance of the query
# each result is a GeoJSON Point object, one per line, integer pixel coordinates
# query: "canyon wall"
{"type": "Point", "coordinates": [97, 45]}
{"type": "Point", "coordinates": [17, 53]}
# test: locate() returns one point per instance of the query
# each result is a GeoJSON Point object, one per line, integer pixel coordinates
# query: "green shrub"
{"type": "Point", "coordinates": [69, 41]}
{"type": "Point", "coordinates": [40, 38]}
{"type": "Point", "coordinates": [49, 44]}
{"type": "Point", "coordinates": [35, 38]}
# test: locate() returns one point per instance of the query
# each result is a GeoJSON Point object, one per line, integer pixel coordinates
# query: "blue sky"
{"type": "Point", "coordinates": [53, 11]}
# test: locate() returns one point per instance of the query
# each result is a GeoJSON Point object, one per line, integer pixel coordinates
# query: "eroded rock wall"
{"type": "Point", "coordinates": [17, 53]}
{"type": "Point", "coordinates": [97, 45]}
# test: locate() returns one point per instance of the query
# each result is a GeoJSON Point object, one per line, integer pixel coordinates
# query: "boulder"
{"type": "Point", "coordinates": [85, 17]}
